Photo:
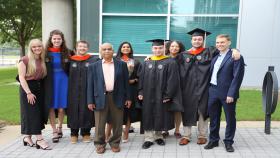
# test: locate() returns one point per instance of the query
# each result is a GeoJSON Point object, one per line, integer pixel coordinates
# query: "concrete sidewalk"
{"type": "Point", "coordinates": [250, 141]}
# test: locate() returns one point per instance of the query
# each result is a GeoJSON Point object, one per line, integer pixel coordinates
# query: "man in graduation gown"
{"type": "Point", "coordinates": [79, 116]}
{"type": "Point", "coordinates": [159, 91]}
{"type": "Point", "coordinates": [195, 76]}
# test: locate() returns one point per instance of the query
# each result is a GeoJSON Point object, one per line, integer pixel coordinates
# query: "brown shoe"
{"type": "Point", "coordinates": [86, 138]}
{"type": "Point", "coordinates": [74, 139]}
{"type": "Point", "coordinates": [116, 149]}
{"type": "Point", "coordinates": [184, 141]}
{"type": "Point", "coordinates": [100, 150]}
{"type": "Point", "coordinates": [201, 141]}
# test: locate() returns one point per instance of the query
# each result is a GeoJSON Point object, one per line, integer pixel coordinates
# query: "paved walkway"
{"type": "Point", "coordinates": [250, 141]}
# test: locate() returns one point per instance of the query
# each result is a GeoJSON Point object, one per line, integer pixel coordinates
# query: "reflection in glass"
{"type": "Point", "coordinates": [216, 25]}
{"type": "Point", "coordinates": [135, 6]}
{"type": "Point", "coordinates": [135, 30]}
{"type": "Point", "coordinates": [205, 6]}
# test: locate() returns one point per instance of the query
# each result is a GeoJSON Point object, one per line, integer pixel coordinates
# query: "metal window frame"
{"type": "Point", "coordinates": [78, 22]}
{"type": "Point", "coordinates": [168, 21]}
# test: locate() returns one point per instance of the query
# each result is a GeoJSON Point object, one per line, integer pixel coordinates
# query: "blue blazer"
{"type": "Point", "coordinates": [229, 76]}
{"type": "Point", "coordinates": [96, 84]}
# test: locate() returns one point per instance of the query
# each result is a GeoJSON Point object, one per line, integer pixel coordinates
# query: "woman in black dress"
{"type": "Point", "coordinates": [32, 70]}
{"type": "Point", "coordinates": [133, 114]}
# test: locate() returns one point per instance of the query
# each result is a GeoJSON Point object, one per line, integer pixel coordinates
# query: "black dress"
{"type": "Point", "coordinates": [159, 80]}
{"type": "Point", "coordinates": [79, 116]}
{"type": "Point", "coordinates": [134, 112]}
{"type": "Point", "coordinates": [32, 116]}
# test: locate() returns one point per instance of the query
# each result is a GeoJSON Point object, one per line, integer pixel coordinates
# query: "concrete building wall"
{"type": "Point", "coordinates": [58, 14]}
{"type": "Point", "coordinates": [259, 39]}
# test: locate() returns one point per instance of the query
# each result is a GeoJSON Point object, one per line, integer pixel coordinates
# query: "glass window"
{"type": "Point", "coordinates": [216, 25]}
{"type": "Point", "coordinates": [135, 6]}
{"type": "Point", "coordinates": [205, 6]}
{"type": "Point", "coordinates": [135, 30]}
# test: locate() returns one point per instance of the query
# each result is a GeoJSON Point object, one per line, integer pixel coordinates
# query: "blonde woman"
{"type": "Point", "coordinates": [32, 70]}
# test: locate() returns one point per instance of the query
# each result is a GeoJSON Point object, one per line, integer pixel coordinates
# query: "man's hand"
{"type": "Point", "coordinates": [91, 107]}
{"type": "Point", "coordinates": [140, 97]}
{"type": "Point", "coordinates": [235, 54]}
{"type": "Point", "coordinates": [229, 100]}
{"type": "Point", "coordinates": [128, 104]}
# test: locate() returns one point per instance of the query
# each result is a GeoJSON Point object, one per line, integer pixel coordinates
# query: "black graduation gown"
{"type": "Point", "coordinates": [134, 112]}
{"type": "Point", "coordinates": [158, 80]}
{"type": "Point", "coordinates": [195, 78]}
{"type": "Point", "coordinates": [79, 116]}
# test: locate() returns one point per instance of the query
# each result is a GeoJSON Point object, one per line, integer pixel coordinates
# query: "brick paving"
{"type": "Point", "coordinates": [249, 142]}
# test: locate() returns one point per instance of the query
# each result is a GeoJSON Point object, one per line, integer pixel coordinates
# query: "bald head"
{"type": "Point", "coordinates": [106, 50]}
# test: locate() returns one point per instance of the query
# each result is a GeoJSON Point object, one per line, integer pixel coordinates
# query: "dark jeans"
{"type": "Point", "coordinates": [84, 131]}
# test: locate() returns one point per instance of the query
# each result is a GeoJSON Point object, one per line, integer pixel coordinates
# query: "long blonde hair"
{"type": "Point", "coordinates": [31, 67]}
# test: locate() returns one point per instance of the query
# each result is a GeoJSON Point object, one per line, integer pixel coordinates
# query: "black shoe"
{"type": "Point", "coordinates": [40, 147]}
{"type": "Point", "coordinates": [147, 145]}
{"type": "Point", "coordinates": [160, 141]}
{"type": "Point", "coordinates": [25, 143]}
{"type": "Point", "coordinates": [211, 145]}
{"type": "Point", "coordinates": [229, 148]}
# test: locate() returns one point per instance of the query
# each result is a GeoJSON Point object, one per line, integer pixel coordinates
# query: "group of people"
{"type": "Point", "coordinates": [173, 85]}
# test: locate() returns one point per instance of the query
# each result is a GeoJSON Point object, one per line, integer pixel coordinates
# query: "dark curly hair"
{"type": "Point", "coordinates": [168, 44]}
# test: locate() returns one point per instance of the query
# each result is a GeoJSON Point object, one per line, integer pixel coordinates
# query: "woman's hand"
{"type": "Point", "coordinates": [31, 98]}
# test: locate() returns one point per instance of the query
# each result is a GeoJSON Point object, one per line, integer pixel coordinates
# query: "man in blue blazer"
{"type": "Point", "coordinates": [107, 94]}
{"type": "Point", "coordinates": [226, 78]}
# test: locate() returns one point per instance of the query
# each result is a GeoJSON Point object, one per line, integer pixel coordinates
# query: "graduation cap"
{"type": "Point", "coordinates": [199, 32]}
{"type": "Point", "coordinates": [157, 42]}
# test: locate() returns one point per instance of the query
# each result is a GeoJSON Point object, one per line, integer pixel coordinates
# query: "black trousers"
{"type": "Point", "coordinates": [83, 132]}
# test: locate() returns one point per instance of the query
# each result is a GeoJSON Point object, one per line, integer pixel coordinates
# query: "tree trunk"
{"type": "Point", "coordinates": [22, 49]}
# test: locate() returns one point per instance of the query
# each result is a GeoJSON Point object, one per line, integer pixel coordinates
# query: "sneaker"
{"type": "Point", "coordinates": [74, 139]}
{"type": "Point", "coordinates": [86, 138]}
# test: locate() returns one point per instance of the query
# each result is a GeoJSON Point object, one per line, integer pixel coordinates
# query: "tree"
{"type": "Point", "coordinates": [20, 20]}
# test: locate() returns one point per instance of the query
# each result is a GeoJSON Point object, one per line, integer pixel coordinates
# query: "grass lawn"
{"type": "Point", "coordinates": [249, 106]}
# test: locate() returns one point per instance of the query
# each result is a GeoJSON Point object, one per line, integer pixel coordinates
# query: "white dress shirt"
{"type": "Point", "coordinates": [216, 68]}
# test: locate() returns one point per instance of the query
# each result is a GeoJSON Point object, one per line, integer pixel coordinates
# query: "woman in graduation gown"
{"type": "Point", "coordinates": [56, 82]}
{"type": "Point", "coordinates": [133, 114]}
{"type": "Point", "coordinates": [79, 116]}
{"type": "Point", "coordinates": [173, 49]}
